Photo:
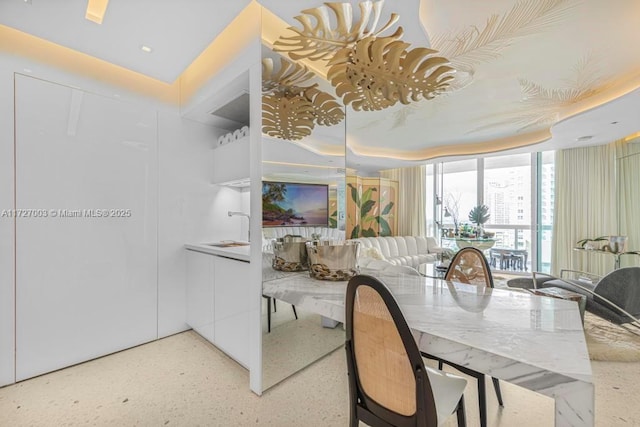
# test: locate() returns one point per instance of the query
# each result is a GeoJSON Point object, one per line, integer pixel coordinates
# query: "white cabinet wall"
{"type": "Point", "coordinates": [86, 257]}
{"type": "Point", "coordinates": [218, 302]}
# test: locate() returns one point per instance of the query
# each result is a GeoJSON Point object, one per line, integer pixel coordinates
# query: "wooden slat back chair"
{"type": "Point", "coordinates": [388, 382]}
{"type": "Point", "coordinates": [469, 265]}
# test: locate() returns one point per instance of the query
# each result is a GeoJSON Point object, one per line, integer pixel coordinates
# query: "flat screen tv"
{"type": "Point", "coordinates": [291, 204]}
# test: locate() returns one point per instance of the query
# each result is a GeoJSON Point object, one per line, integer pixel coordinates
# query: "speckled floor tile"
{"type": "Point", "coordinates": [184, 381]}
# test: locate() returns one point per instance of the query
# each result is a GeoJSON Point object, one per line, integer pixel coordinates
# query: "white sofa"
{"type": "Point", "coordinates": [270, 233]}
{"type": "Point", "coordinates": [397, 250]}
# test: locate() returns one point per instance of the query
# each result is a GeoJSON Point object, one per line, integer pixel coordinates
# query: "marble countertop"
{"type": "Point", "coordinates": [532, 341]}
{"type": "Point", "coordinates": [241, 253]}
{"type": "Point", "coordinates": [537, 331]}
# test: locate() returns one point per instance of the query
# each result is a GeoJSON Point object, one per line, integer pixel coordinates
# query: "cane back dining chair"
{"type": "Point", "coordinates": [470, 266]}
{"type": "Point", "coordinates": [389, 384]}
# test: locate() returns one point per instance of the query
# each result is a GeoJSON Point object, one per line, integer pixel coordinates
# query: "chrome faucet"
{"type": "Point", "coordinates": [232, 213]}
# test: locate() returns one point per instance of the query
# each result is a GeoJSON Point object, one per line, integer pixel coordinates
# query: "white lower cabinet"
{"type": "Point", "coordinates": [218, 301]}
{"type": "Point", "coordinates": [200, 297]}
{"type": "Point", "coordinates": [231, 308]}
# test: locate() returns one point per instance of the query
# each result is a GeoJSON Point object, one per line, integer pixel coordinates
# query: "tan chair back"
{"type": "Point", "coordinates": [470, 266]}
{"type": "Point", "coordinates": [384, 369]}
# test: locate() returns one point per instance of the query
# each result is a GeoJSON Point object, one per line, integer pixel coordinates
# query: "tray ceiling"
{"type": "Point", "coordinates": [523, 67]}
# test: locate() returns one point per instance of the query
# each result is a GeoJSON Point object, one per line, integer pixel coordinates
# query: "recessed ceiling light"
{"type": "Point", "coordinates": [146, 49]}
{"type": "Point", "coordinates": [584, 138]}
{"type": "Point", "coordinates": [27, 1]}
{"type": "Point", "coordinates": [27, 70]}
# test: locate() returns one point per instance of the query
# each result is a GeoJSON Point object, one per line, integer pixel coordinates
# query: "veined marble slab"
{"type": "Point", "coordinates": [535, 342]}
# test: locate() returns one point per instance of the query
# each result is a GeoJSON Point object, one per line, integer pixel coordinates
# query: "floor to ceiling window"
{"type": "Point", "coordinates": [546, 199]}
{"type": "Point", "coordinates": [507, 193]}
{"type": "Point", "coordinates": [518, 190]}
{"type": "Point", "coordinates": [459, 191]}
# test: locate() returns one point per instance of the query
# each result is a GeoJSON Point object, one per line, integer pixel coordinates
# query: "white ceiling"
{"type": "Point", "coordinates": [577, 54]}
{"type": "Point", "coordinates": [586, 45]}
{"type": "Point", "coordinates": [177, 31]}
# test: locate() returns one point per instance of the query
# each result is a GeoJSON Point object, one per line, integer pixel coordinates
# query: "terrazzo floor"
{"type": "Point", "coordinates": [183, 380]}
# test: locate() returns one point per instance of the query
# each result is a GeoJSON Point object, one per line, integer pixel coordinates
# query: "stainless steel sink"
{"type": "Point", "coordinates": [227, 244]}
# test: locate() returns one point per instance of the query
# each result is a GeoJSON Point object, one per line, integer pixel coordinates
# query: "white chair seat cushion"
{"type": "Point", "coordinates": [447, 390]}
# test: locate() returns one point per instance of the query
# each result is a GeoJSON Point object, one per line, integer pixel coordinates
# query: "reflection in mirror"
{"type": "Point", "coordinates": [303, 198]}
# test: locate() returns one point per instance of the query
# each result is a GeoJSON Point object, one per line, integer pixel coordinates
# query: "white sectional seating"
{"type": "Point", "coordinates": [375, 252]}
{"type": "Point", "coordinates": [398, 250]}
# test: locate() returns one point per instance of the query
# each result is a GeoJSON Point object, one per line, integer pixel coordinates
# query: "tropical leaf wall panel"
{"type": "Point", "coordinates": [371, 207]}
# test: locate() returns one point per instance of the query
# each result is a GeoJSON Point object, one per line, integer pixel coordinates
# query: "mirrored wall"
{"type": "Point", "coordinates": [303, 169]}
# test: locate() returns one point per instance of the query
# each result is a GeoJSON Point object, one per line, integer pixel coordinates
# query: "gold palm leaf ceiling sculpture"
{"type": "Point", "coordinates": [289, 110]}
{"type": "Point", "coordinates": [369, 72]}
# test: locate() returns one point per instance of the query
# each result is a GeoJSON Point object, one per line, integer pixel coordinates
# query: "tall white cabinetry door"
{"type": "Point", "coordinates": [86, 273]}
{"type": "Point", "coordinates": [200, 306]}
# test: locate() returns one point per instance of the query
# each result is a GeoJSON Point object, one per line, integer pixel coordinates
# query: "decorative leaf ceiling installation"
{"type": "Point", "coordinates": [289, 75]}
{"type": "Point", "coordinates": [289, 118]}
{"type": "Point", "coordinates": [379, 72]}
{"type": "Point", "coordinates": [328, 111]}
{"type": "Point", "coordinates": [369, 72]}
{"type": "Point", "coordinates": [291, 110]}
{"type": "Point", "coordinates": [473, 46]}
{"type": "Point", "coordinates": [319, 41]}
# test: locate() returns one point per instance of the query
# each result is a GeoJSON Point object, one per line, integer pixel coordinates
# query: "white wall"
{"type": "Point", "coordinates": [189, 207]}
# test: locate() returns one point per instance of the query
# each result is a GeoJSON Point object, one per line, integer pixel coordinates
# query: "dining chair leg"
{"type": "Point", "coordinates": [269, 314]}
{"type": "Point", "coordinates": [462, 419]}
{"type": "Point", "coordinates": [496, 386]}
{"type": "Point", "coordinates": [440, 364]}
{"type": "Point", "coordinates": [482, 400]}
{"type": "Point", "coordinates": [294, 311]}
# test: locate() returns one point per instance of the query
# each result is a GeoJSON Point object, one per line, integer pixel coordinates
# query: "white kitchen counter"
{"type": "Point", "coordinates": [240, 253]}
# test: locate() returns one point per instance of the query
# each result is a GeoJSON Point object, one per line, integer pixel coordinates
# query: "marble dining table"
{"type": "Point", "coordinates": [532, 341]}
